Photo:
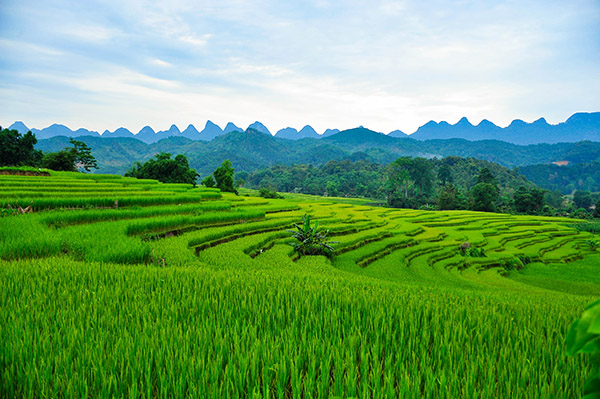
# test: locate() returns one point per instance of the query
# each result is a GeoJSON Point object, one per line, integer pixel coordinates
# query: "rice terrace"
{"type": "Point", "coordinates": [119, 287]}
{"type": "Point", "coordinates": [299, 199]}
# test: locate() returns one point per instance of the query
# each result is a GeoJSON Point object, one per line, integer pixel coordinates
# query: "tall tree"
{"type": "Point", "coordinates": [444, 174]}
{"type": "Point", "coordinates": [83, 155]}
{"type": "Point", "coordinates": [224, 177]}
{"type": "Point", "coordinates": [485, 193]}
{"type": "Point", "coordinates": [17, 149]}
{"type": "Point", "coordinates": [484, 196]}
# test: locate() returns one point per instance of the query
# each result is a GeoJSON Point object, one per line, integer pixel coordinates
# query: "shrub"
{"type": "Point", "coordinates": [311, 239]}
{"type": "Point", "coordinates": [266, 193]}
{"type": "Point", "coordinates": [512, 264]}
{"type": "Point", "coordinates": [594, 244]}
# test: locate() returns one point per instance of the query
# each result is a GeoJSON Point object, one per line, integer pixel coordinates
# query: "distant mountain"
{"type": "Point", "coordinates": [359, 138]}
{"type": "Point", "coordinates": [259, 127]}
{"type": "Point", "coordinates": [147, 135]}
{"type": "Point", "coordinates": [330, 132]}
{"type": "Point", "coordinates": [163, 134]}
{"type": "Point", "coordinates": [308, 132]}
{"type": "Point", "coordinates": [191, 133]}
{"type": "Point", "coordinates": [252, 150]}
{"type": "Point", "coordinates": [232, 128]}
{"type": "Point", "coordinates": [580, 126]}
{"type": "Point", "coordinates": [60, 130]}
{"type": "Point", "coordinates": [287, 133]}
{"type": "Point", "coordinates": [120, 132]}
{"type": "Point", "coordinates": [19, 127]}
{"type": "Point", "coordinates": [292, 134]}
{"type": "Point", "coordinates": [210, 131]}
{"type": "Point", "coordinates": [398, 133]}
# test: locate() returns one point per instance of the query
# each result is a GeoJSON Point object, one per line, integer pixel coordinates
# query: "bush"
{"type": "Point", "coordinates": [266, 193]}
{"type": "Point", "coordinates": [311, 239]}
{"type": "Point", "coordinates": [512, 264]}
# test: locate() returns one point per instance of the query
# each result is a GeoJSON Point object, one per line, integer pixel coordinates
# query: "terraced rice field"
{"type": "Point", "coordinates": [116, 287]}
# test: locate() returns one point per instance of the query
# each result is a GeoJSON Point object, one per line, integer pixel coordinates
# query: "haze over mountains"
{"type": "Point", "coordinates": [580, 126]}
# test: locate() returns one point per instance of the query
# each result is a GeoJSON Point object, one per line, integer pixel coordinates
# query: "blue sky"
{"type": "Point", "coordinates": [332, 64]}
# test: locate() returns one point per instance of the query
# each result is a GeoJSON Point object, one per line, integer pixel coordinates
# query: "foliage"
{"type": "Point", "coordinates": [410, 178]}
{"type": "Point", "coordinates": [594, 244]}
{"type": "Point", "coordinates": [467, 250]}
{"type": "Point", "coordinates": [208, 181]}
{"type": "Point", "coordinates": [450, 198]}
{"type": "Point", "coordinates": [484, 196]}
{"type": "Point", "coordinates": [597, 209]}
{"type": "Point", "coordinates": [583, 176]}
{"type": "Point", "coordinates": [266, 193]}
{"type": "Point", "coordinates": [350, 179]}
{"type": "Point", "coordinates": [312, 241]}
{"type": "Point", "coordinates": [513, 264]}
{"type": "Point", "coordinates": [165, 169]}
{"type": "Point", "coordinates": [528, 201]}
{"type": "Point", "coordinates": [224, 177]}
{"type": "Point", "coordinates": [70, 159]}
{"type": "Point", "coordinates": [584, 337]}
{"type": "Point", "coordinates": [17, 149]}
{"type": "Point", "coordinates": [582, 199]}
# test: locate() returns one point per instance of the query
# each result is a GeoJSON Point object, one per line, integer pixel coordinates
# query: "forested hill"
{"type": "Point", "coordinates": [363, 178]}
{"type": "Point", "coordinates": [252, 150]}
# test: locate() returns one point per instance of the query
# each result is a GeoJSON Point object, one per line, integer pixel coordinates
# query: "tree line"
{"type": "Point", "coordinates": [18, 150]}
{"type": "Point", "coordinates": [444, 184]}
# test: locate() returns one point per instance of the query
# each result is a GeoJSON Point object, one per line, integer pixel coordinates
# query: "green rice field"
{"type": "Point", "coordinates": [121, 288]}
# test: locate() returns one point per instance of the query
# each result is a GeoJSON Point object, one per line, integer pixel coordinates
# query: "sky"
{"type": "Point", "coordinates": [385, 65]}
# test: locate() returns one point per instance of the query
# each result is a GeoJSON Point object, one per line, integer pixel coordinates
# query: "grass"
{"type": "Point", "coordinates": [217, 305]}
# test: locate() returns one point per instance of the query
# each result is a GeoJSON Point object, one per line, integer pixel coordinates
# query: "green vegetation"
{"type": "Point", "coordinates": [583, 176]}
{"type": "Point", "coordinates": [224, 177]}
{"type": "Point", "coordinates": [17, 149]}
{"type": "Point", "coordinates": [124, 287]}
{"type": "Point", "coordinates": [311, 240]}
{"type": "Point", "coordinates": [165, 169]}
{"type": "Point", "coordinates": [584, 337]}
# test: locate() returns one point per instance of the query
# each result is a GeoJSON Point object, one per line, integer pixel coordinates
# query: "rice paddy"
{"type": "Point", "coordinates": [117, 287]}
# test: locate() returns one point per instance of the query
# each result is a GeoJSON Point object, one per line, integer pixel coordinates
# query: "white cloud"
{"type": "Point", "coordinates": [386, 64]}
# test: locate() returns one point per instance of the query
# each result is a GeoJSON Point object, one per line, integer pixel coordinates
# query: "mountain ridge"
{"type": "Point", "coordinates": [579, 126]}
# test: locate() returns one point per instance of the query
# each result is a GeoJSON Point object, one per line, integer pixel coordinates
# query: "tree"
{"type": "Point", "coordinates": [444, 175]}
{"type": "Point", "coordinates": [410, 176]}
{"type": "Point", "coordinates": [17, 149]}
{"type": "Point", "coordinates": [522, 199]}
{"type": "Point", "coordinates": [83, 155]}
{"type": "Point", "coordinates": [486, 176]}
{"type": "Point", "coordinates": [421, 172]}
{"type": "Point", "coordinates": [484, 196]}
{"type": "Point", "coordinates": [162, 168]}
{"type": "Point", "coordinates": [451, 198]}
{"type": "Point", "coordinates": [63, 160]}
{"type": "Point", "coordinates": [224, 177]}
{"type": "Point", "coordinates": [582, 199]}
{"type": "Point", "coordinates": [239, 182]}
{"type": "Point", "coordinates": [71, 159]}
{"type": "Point", "coordinates": [208, 181]}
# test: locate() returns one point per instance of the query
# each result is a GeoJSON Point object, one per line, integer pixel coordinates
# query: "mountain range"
{"type": "Point", "coordinates": [578, 127]}
{"type": "Point", "coordinates": [251, 150]}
